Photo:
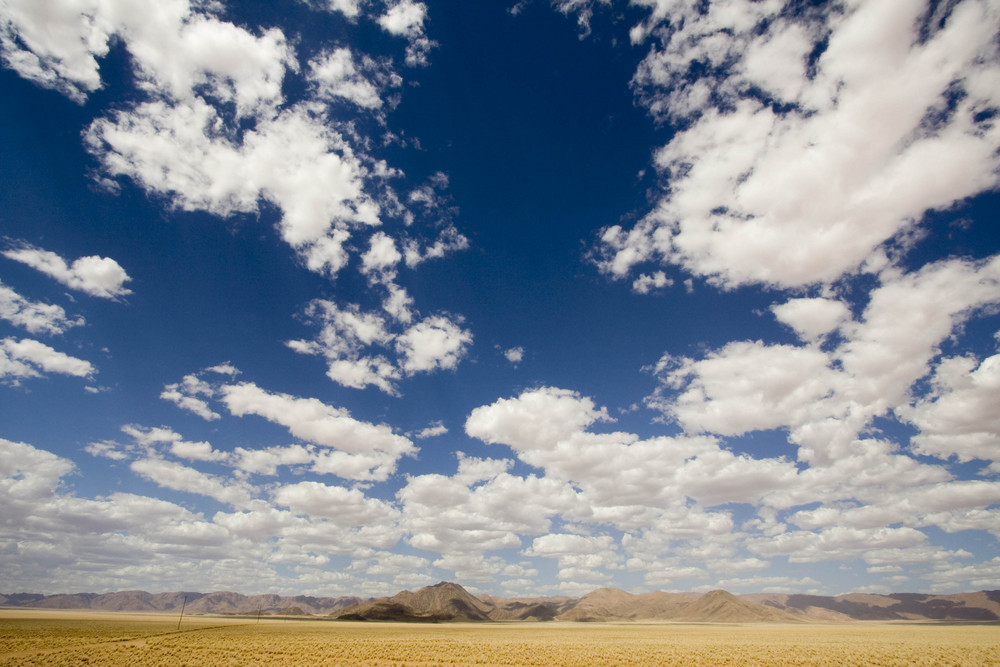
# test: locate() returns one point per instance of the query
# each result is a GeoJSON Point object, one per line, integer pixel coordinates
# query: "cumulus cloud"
{"type": "Point", "coordinates": [432, 431]}
{"type": "Point", "coordinates": [361, 451]}
{"type": "Point", "coordinates": [405, 18]}
{"type": "Point", "coordinates": [27, 358]}
{"type": "Point", "coordinates": [812, 318]}
{"type": "Point", "coordinates": [514, 354]}
{"type": "Point", "coordinates": [160, 435]}
{"type": "Point", "coordinates": [344, 507]}
{"type": "Point", "coordinates": [626, 481]}
{"type": "Point", "coordinates": [791, 168]}
{"type": "Point", "coordinates": [646, 283]}
{"type": "Point", "coordinates": [826, 398]}
{"type": "Point", "coordinates": [337, 74]}
{"type": "Point", "coordinates": [55, 46]}
{"type": "Point", "coordinates": [293, 160]}
{"type": "Point", "coordinates": [186, 395]}
{"type": "Point", "coordinates": [579, 557]}
{"type": "Point", "coordinates": [35, 316]}
{"type": "Point", "coordinates": [958, 417]}
{"type": "Point", "coordinates": [61, 536]}
{"type": "Point", "coordinates": [179, 477]}
{"type": "Point", "coordinates": [93, 275]}
{"type": "Point", "coordinates": [436, 342]}
{"type": "Point", "coordinates": [478, 510]}
{"type": "Point", "coordinates": [347, 333]}
{"type": "Point", "coordinates": [667, 494]}
{"type": "Point", "coordinates": [266, 461]}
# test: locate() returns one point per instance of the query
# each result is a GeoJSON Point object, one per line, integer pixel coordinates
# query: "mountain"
{"type": "Point", "coordinates": [220, 602]}
{"type": "Point", "coordinates": [724, 607]}
{"type": "Point", "coordinates": [980, 606]}
{"type": "Point", "coordinates": [441, 602]}
{"type": "Point", "coordinates": [612, 604]}
{"type": "Point", "coordinates": [450, 602]}
{"type": "Point", "coordinates": [527, 609]}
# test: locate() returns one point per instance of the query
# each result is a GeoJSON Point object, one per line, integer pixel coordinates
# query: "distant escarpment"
{"type": "Point", "coordinates": [450, 602]}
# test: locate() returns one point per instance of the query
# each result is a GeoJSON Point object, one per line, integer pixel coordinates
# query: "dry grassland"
{"type": "Point", "coordinates": [67, 638]}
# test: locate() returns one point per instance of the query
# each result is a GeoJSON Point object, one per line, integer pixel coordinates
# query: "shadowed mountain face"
{"type": "Point", "coordinates": [446, 601]}
{"type": "Point", "coordinates": [981, 606]}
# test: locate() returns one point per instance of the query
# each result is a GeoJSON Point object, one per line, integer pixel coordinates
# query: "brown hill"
{"type": "Point", "coordinates": [981, 606]}
{"type": "Point", "coordinates": [220, 602]}
{"type": "Point", "coordinates": [441, 602]}
{"type": "Point", "coordinates": [612, 604]}
{"type": "Point", "coordinates": [527, 609]}
{"type": "Point", "coordinates": [451, 602]}
{"type": "Point", "coordinates": [723, 607]}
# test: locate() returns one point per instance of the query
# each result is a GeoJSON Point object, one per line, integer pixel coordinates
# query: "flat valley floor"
{"type": "Point", "coordinates": [44, 637]}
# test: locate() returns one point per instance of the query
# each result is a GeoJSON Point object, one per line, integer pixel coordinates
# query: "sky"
{"type": "Point", "coordinates": [338, 297]}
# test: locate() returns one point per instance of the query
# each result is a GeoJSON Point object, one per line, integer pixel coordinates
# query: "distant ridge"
{"type": "Point", "coordinates": [450, 602]}
{"type": "Point", "coordinates": [219, 602]}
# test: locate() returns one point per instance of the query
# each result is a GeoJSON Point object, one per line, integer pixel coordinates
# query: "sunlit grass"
{"type": "Point", "coordinates": [151, 640]}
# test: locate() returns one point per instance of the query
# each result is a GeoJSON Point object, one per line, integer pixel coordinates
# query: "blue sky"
{"type": "Point", "coordinates": [351, 296]}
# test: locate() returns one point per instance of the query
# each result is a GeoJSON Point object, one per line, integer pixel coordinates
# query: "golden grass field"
{"type": "Point", "coordinates": [37, 637]}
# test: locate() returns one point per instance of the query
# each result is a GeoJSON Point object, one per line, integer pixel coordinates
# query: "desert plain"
{"type": "Point", "coordinates": [75, 637]}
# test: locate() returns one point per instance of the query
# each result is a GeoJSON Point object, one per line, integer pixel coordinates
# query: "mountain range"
{"type": "Point", "coordinates": [451, 602]}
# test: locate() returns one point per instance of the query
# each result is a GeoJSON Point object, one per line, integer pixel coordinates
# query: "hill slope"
{"type": "Point", "coordinates": [441, 602]}
{"type": "Point", "coordinates": [450, 602]}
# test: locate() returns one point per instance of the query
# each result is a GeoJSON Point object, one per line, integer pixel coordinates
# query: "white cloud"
{"type": "Point", "coordinates": [28, 474]}
{"type": "Point", "coordinates": [344, 507]}
{"type": "Point", "coordinates": [825, 399]}
{"type": "Point", "coordinates": [749, 386]}
{"type": "Point", "coordinates": [349, 8]}
{"type": "Point", "coordinates": [177, 476]}
{"type": "Point", "coordinates": [812, 318]}
{"type": "Point", "coordinates": [93, 275]}
{"type": "Point", "coordinates": [34, 316]}
{"type": "Point", "coordinates": [382, 255]}
{"type": "Point", "coordinates": [29, 358]}
{"type": "Point", "coordinates": [109, 450]}
{"type": "Point", "coordinates": [336, 74]}
{"type": "Point", "coordinates": [536, 419]}
{"type": "Point", "coordinates": [459, 514]}
{"type": "Point", "coordinates": [646, 283]}
{"type": "Point", "coordinates": [959, 416]}
{"type": "Point", "coordinates": [61, 537]}
{"type": "Point", "coordinates": [266, 461]}
{"type": "Point", "coordinates": [363, 451]}
{"type": "Point", "coordinates": [344, 335]}
{"type": "Point", "coordinates": [434, 342]}
{"type": "Point", "coordinates": [147, 437]}
{"type": "Point", "coordinates": [625, 481]}
{"type": "Point", "coordinates": [449, 240]}
{"type": "Point", "coordinates": [55, 44]}
{"type": "Point", "coordinates": [185, 395]}
{"type": "Point", "coordinates": [514, 355]}
{"type": "Point", "coordinates": [584, 10]}
{"type": "Point", "coordinates": [175, 49]}
{"type": "Point", "coordinates": [805, 195]}
{"type": "Point", "coordinates": [405, 18]}
{"type": "Point", "coordinates": [432, 431]}
{"type": "Point", "coordinates": [578, 556]}
{"type": "Point", "coordinates": [293, 160]}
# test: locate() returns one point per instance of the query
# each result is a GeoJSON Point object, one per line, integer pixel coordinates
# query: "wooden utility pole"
{"type": "Point", "coordinates": [183, 604]}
